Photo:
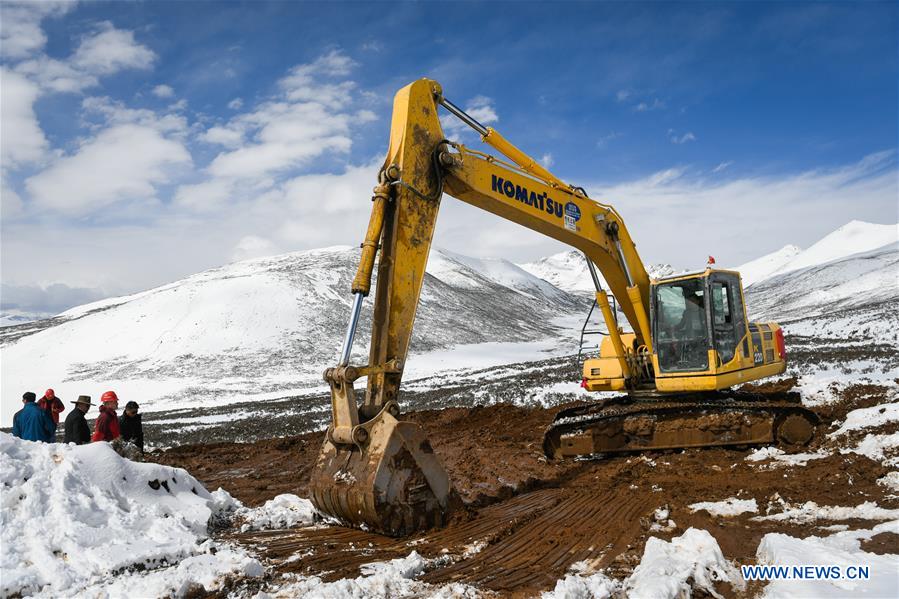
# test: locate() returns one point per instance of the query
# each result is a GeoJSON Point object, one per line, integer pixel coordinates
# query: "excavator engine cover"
{"type": "Point", "coordinates": [391, 483]}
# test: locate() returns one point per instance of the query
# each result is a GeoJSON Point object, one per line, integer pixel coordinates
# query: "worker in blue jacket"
{"type": "Point", "coordinates": [31, 423]}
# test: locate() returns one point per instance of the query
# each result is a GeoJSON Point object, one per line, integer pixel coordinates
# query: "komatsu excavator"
{"type": "Point", "coordinates": [691, 340]}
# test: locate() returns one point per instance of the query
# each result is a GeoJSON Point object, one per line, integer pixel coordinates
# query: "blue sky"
{"type": "Point", "coordinates": [145, 141]}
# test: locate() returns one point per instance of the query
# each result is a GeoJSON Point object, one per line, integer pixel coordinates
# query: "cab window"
{"type": "Point", "coordinates": [681, 326]}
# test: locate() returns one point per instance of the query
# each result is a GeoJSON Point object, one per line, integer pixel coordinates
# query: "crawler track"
{"type": "Point", "coordinates": [623, 424]}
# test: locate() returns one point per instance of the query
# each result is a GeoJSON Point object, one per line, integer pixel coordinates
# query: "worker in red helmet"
{"type": "Point", "coordinates": [52, 405]}
{"type": "Point", "coordinates": [106, 428]}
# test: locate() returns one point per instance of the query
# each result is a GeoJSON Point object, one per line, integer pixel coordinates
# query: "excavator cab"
{"type": "Point", "coordinates": [701, 340]}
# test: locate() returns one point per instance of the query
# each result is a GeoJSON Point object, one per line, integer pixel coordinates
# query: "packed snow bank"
{"type": "Point", "coordinates": [284, 511]}
{"type": "Point", "coordinates": [666, 571]}
{"type": "Point", "coordinates": [79, 520]}
{"type": "Point", "coordinates": [669, 570]}
{"type": "Point", "coordinates": [726, 507]}
{"type": "Point", "coordinates": [842, 549]}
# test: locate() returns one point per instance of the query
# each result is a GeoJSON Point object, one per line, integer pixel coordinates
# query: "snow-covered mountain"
{"type": "Point", "coordinates": [855, 237]}
{"type": "Point", "coordinates": [852, 282]}
{"type": "Point", "coordinates": [764, 267]}
{"type": "Point", "coordinates": [568, 271]}
{"type": "Point", "coordinates": [263, 326]}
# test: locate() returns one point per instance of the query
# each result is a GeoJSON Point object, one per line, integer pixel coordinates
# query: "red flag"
{"type": "Point", "coordinates": [711, 260]}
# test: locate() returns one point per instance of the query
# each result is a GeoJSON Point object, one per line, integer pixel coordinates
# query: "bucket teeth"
{"type": "Point", "coordinates": [393, 483]}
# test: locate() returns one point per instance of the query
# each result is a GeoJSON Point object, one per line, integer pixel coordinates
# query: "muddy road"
{"type": "Point", "coordinates": [528, 520]}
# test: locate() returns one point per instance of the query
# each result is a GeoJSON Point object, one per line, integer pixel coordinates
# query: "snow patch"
{"type": "Point", "coordinates": [842, 549]}
{"type": "Point", "coordinates": [668, 570]}
{"type": "Point", "coordinates": [779, 457]}
{"type": "Point", "coordinates": [726, 507]}
{"type": "Point", "coordinates": [876, 447]}
{"type": "Point", "coordinates": [890, 480]}
{"type": "Point", "coordinates": [284, 511]}
{"type": "Point", "coordinates": [811, 512]}
{"type": "Point", "coordinates": [868, 418]}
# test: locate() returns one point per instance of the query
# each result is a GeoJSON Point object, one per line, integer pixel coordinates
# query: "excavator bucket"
{"type": "Point", "coordinates": [381, 474]}
{"type": "Point", "coordinates": [392, 483]}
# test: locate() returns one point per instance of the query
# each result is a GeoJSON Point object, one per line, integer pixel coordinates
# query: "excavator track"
{"type": "Point", "coordinates": [626, 424]}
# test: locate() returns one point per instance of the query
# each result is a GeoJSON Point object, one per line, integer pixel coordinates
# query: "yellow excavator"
{"type": "Point", "coordinates": [691, 339]}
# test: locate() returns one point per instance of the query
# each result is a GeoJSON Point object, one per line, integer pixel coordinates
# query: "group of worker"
{"type": "Point", "coordinates": [38, 420]}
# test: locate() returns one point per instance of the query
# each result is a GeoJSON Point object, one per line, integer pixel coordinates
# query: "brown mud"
{"type": "Point", "coordinates": [530, 518]}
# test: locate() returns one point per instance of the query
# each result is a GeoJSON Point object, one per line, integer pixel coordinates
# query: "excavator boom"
{"type": "Point", "coordinates": [377, 471]}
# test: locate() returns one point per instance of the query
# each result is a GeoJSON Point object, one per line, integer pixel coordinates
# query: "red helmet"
{"type": "Point", "coordinates": [109, 396]}
{"type": "Point", "coordinates": [49, 394]}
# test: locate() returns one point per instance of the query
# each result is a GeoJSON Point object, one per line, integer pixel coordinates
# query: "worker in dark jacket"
{"type": "Point", "coordinates": [77, 430]}
{"type": "Point", "coordinates": [31, 423]}
{"type": "Point", "coordinates": [130, 425]}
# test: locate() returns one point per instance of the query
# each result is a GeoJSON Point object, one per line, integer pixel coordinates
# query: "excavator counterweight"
{"type": "Point", "coordinates": [691, 340]}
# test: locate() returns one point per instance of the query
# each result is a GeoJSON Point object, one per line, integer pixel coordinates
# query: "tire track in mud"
{"type": "Point", "coordinates": [522, 544]}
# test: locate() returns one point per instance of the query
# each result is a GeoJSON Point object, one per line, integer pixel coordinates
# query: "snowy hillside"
{"type": "Point", "coordinates": [261, 327]}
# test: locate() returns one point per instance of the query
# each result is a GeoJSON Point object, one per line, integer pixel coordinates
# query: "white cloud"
{"type": "Point", "coordinates": [674, 138]}
{"type": "Point", "coordinates": [57, 75]}
{"type": "Point", "coordinates": [111, 50]}
{"type": "Point", "coordinates": [235, 104]}
{"type": "Point", "coordinates": [105, 52]}
{"type": "Point", "coordinates": [116, 113]}
{"type": "Point", "coordinates": [163, 91]}
{"type": "Point", "coordinates": [206, 196]}
{"type": "Point", "coordinates": [122, 164]}
{"type": "Point", "coordinates": [253, 246]}
{"type": "Point", "coordinates": [547, 160]}
{"type": "Point", "coordinates": [306, 120]}
{"type": "Point", "coordinates": [22, 140]}
{"type": "Point", "coordinates": [480, 108]}
{"type": "Point", "coordinates": [373, 46]}
{"type": "Point", "coordinates": [722, 166]}
{"type": "Point", "coordinates": [223, 136]}
{"type": "Point", "coordinates": [604, 140]}
{"type": "Point", "coordinates": [623, 95]}
{"type": "Point", "coordinates": [21, 34]}
{"type": "Point", "coordinates": [11, 205]}
{"type": "Point", "coordinates": [288, 136]}
{"type": "Point", "coordinates": [649, 105]}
